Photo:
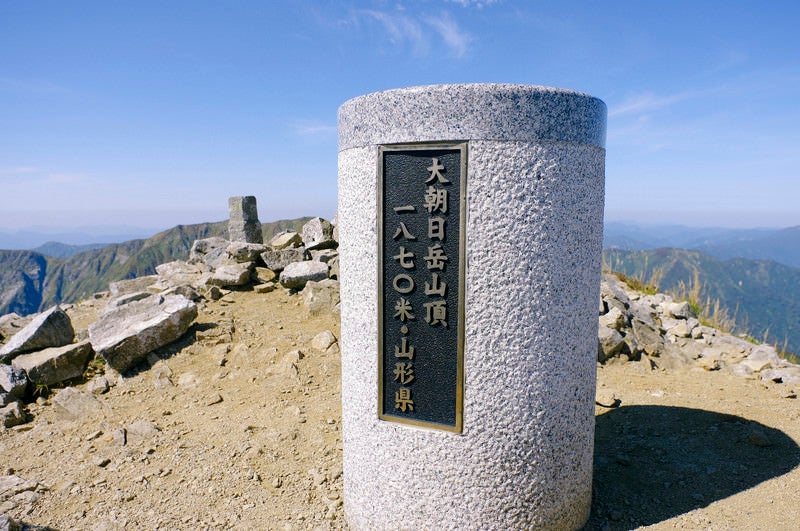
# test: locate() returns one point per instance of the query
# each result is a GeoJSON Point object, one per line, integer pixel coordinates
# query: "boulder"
{"type": "Point", "coordinates": [333, 268]}
{"type": "Point", "coordinates": [53, 365]}
{"type": "Point", "coordinates": [124, 299]}
{"type": "Point", "coordinates": [788, 375]}
{"type": "Point", "coordinates": [179, 273]}
{"type": "Point", "coordinates": [323, 341]}
{"type": "Point", "coordinates": [262, 275]}
{"type": "Point", "coordinates": [210, 251]}
{"type": "Point", "coordinates": [74, 404]}
{"type": "Point", "coordinates": [245, 252]}
{"type": "Point", "coordinates": [9, 524]}
{"type": "Point", "coordinates": [126, 335]}
{"type": "Point", "coordinates": [321, 296]}
{"type": "Point", "coordinates": [610, 342]}
{"type": "Point", "coordinates": [680, 310]}
{"type": "Point", "coordinates": [277, 260]}
{"type": "Point", "coordinates": [11, 323]}
{"type": "Point", "coordinates": [286, 239]}
{"type": "Point", "coordinates": [13, 381]}
{"type": "Point", "coordinates": [318, 234]}
{"type": "Point", "coordinates": [613, 319]}
{"type": "Point", "coordinates": [12, 415]}
{"type": "Point", "coordinates": [52, 328]}
{"type": "Point", "coordinates": [324, 255]}
{"type": "Point", "coordinates": [297, 274]}
{"type": "Point", "coordinates": [131, 285]}
{"type": "Point", "coordinates": [231, 275]}
{"type": "Point", "coordinates": [647, 337]}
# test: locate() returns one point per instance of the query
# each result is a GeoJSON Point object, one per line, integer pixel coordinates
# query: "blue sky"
{"type": "Point", "coordinates": [151, 114]}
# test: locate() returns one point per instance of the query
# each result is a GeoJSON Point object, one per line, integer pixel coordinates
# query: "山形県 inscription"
{"type": "Point", "coordinates": [421, 210]}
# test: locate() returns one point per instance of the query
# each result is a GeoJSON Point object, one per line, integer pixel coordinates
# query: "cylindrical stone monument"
{"type": "Point", "coordinates": [470, 228]}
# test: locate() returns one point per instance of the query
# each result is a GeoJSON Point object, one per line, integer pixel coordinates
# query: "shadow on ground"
{"type": "Point", "coordinates": [653, 463]}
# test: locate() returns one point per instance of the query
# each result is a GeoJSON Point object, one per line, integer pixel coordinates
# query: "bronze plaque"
{"type": "Point", "coordinates": [421, 263]}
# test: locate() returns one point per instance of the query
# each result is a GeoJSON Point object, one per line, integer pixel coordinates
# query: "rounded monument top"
{"type": "Point", "coordinates": [472, 111]}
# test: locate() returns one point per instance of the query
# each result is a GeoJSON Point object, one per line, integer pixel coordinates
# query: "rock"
{"type": "Point", "coordinates": [54, 365]}
{"type": "Point", "coordinates": [186, 291]}
{"type": "Point", "coordinates": [124, 299]}
{"type": "Point", "coordinates": [286, 239]}
{"type": "Point", "coordinates": [12, 415]}
{"type": "Point", "coordinates": [680, 310]}
{"type": "Point", "coordinates": [279, 259]}
{"type": "Point", "coordinates": [243, 225]}
{"type": "Point", "coordinates": [333, 268]}
{"type": "Point", "coordinates": [210, 251]}
{"type": "Point", "coordinates": [245, 252]}
{"type": "Point", "coordinates": [13, 381]}
{"type": "Point", "coordinates": [613, 319]}
{"type": "Point", "coordinates": [680, 330]}
{"type": "Point", "coordinates": [297, 274]}
{"type": "Point", "coordinates": [610, 342]}
{"type": "Point", "coordinates": [324, 255]}
{"type": "Point", "coordinates": [6, 398]}
{"type": "Point", "coordinates": [263, 275]}
{"type": "Point", "coordinates": [125, 336]}
{"type": "Point", "coordinates": [321, 296]}
{"type": "Point", "coordinates": [606, 398]}
{"type": "Point", "coordinates": [647, 337]}
{"type": "Point", "coordinates": [75, 404]}
{"type": "Point", "coordinates": [764, 353]}
{"type": "Point", "coordinates": [11, 323]}
{"type": "Point", "coordinates": [100, 385]}
{"type": "Point", "coordinates": [132, 285]}
{"type": "Point", "coordinates": [231, 275]}
{"type": "Point", "coordinates": [754, 365]}
{"type": "Point", "coordinates": [264, 288]}
{"type": "Point", "coordinates": [179, 273]}
{"type": "Point", "coordinates": [52, 328]}
{"type": "Point", "coordinates": [644, 312]}
{"type": "Point", "coordinates": [323, 341]}
{"type": "Point", "coordinates": [787, 375]}
{"type": "Point", "coordinates": [709, 364]}
{"type": "Point", "coordinates": [318, 234]}
{"type": "Point", "coordinates": [9, 524]}
{"type": "Point", "coordinates": [611, 290]}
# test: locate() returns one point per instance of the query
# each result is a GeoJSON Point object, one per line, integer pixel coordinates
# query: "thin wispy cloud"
{"type": "Point", "coordinates": [419, 33]}
{"type": "Point", "coordinates": [309, 128]}
{"type": "Point", "coordinates": [455, 38]}
{"type": "Point", "coordinates": [39, 177]}
{"type": "Point", "coordinates": [480, 4]}
{"type": "Point", "coordinates": [646, 102]}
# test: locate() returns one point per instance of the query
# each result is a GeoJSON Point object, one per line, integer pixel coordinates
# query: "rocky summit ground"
{"type": "Point", "coordinates": [237, 426]}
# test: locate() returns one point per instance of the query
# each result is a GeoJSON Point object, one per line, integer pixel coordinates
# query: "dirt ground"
{"type": "Point", "coordinates": [237, 426]}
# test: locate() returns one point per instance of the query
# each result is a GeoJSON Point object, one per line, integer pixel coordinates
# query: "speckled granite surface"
{"type": "Point", "coordinates": [534, 236]}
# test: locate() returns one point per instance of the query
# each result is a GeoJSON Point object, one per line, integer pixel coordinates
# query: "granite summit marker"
{"type": "Point", "coordinates": [470, 237]}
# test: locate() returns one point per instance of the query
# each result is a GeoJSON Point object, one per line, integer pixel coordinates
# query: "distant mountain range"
{"type": "Point", "coordinates": [753, 275]}
{"type": "Point", "coordinates": [761, 297]}
{"type": "Point", "coordinates": [31, 281]}
{"type": "Point", "coordinates": [780, 245]}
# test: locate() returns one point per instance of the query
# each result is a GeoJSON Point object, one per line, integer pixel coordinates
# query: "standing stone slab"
{"type": "Point", "coordinates": [533, 178]}
{"type": "Point", "coordinates": [52, 328]}
{"type": "Point", "coordinates": [243, 225]}
{"type": "Point", "coordinates": [126, 335]}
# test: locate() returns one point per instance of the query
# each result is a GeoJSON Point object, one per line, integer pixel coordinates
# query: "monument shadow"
{"type": "Point", "coordinates": [653, 463]}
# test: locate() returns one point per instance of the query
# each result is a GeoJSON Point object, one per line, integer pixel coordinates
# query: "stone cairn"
{"type": "Point", "coordinates": [243, 225]}
{"type": "Point", "coordinates": [146, 313]}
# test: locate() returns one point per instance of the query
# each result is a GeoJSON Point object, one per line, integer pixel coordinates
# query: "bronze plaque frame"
{"type": "Point", "coordinates": [399, 166]}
